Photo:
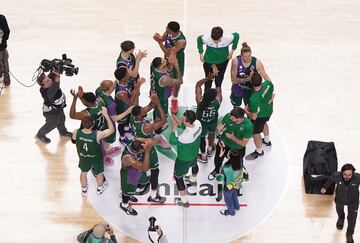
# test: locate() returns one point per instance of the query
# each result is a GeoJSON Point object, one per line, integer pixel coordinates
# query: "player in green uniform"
{"type": "Point", "coordinates": [125, 98]}
{"type": "Point", "coordinates": [207, 113]}
{"type": "Point", "coordinates": [188, 144]}
{"type": "Point", "coordinates": [159, 83]}
{"type": "Point", "coordinates": [173, 40]}
{"type": "Point", "coordinates": [130, 61]}
{"type": "Point", "coordinates": [235, 132]}
{"type": "Point", "coordinates": [135, 159]}
{"type": "Point", "coordinates": [242, 67]}
{"type": "Point", "coordinates": [104, 94]}
{"type": "Point", "coordinates": [89, 151]}
{"type": "Point", "coordinates": [145, 129]}
{"type": "Point", "coordinates": [259, 111]}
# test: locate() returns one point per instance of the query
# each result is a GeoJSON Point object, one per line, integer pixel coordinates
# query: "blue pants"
{"type": "Point", "coordinates": [231, 201]}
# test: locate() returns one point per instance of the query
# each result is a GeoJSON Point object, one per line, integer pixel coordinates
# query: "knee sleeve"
{"type": "Point", "coordinates": [154, 179]}
{"type": "Point", "coordinates": [195, 169]}
{"type": "Point", "coordinates": [180, 183]}
{"type": "Point", "coordinates": [202, 144]}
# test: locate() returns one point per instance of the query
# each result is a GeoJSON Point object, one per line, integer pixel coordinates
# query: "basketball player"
{"type": "Point", "coordinates": [127, 59]}
{"type": "Point", "coordinates": [104, 94]}
{"type": "Point", "coordinates": [135, 159]}
{"type": "Point", "coordinates": [173, 40]}
{"type": "Point", "coordinates": [235, 132]}
{"type": "Point", "coordinates": [260, 110]}
{"type": "Point", "coordinates": [89, 151]}
{"type": "Point", "coordinates": [161, 82]}
{"type": "Point", "coordinates": [242, 67]}
{"type": "Point", "coordinates": [207, 113]}
{"type": "Point", "coordinates": [145, 129]}
{"type": "Point", "coordinates": [125, 98]}
{"type": "Point", "coordinates": [188, 144]}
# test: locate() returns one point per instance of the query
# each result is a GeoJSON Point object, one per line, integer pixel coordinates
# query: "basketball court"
{"type": "Point", "coordinates": [309, 49]}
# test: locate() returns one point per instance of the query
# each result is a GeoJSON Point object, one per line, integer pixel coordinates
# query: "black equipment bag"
{"type": "Point", "coordinates": [320, 162]}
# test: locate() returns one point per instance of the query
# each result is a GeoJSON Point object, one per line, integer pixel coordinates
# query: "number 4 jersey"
{"type": "Point", "coordinates": [88, 148]}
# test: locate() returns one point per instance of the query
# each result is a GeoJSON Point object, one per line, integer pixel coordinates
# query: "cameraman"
{"type": "Point", "coordinates": [157, 236]}
{"type": "Point", "coordinates": [97, 234]}
{"type": "Point", "coordinates": [53, 107]}
{"type": "Point", "coordinates": [4, 55]}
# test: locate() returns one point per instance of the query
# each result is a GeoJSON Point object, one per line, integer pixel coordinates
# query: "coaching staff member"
{"type": "Point", "coordinates": [53, 107]}
{"type": "Point", "coordinates": [347, 193]}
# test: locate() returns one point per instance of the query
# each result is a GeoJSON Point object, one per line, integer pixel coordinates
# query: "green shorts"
{"type": "Point", "coordinates": [126, 188]}
{"type": "Point", "coordinates": [208, 128]}
{"type": "Point", "coordinates": [143, 179]}
{"type": "Point", "coordinates": [98, 164]}
{"type": "Point", "coordinates": [181, 167]}
{"type": "Point", "coordinates": [235, 100]}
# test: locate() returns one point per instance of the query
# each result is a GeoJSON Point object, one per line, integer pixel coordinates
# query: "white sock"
{"type": "Point", "coordinates": [183, 199]}
{"type": "Point", "coordinates": [259, 150]}
{"type": "Point", "coordinates": [203, 154]}
{"type": "Point", "coordinates": [153, 193]}
{"type": "Point", "coordinates": [174, 98]}
{"type": "Point", "coordinates": [125, 205]}
{"type": "Point", "coordinates": [267, 139]}
{"type": "Point", "coordinates": [192, 178]}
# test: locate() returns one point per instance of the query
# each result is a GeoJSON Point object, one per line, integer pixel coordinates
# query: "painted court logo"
{"type": "Point", "coordinates": [258, 196]}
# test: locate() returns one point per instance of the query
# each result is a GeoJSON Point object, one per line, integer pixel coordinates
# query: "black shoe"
{"type": "Point", "coordinates": [266, 144]}
{"type": "Point", "coordinates": [157, 199]}
{"type": "Point", "coordinates": [133, 199]}
{"type": "Point", "coordinates": [254, 155]}
{"type": "Point", "coordinates": [224, 212]}
{"type": "Point", "coordinates": [180, 203]}
{"type": "Point", "coordinates": [349, 239]}
{"type": "Point", "coordinates": [188, 182]}
{"type": "Point", "coordinates": [43, 139]}
{"type": "Point", "coordinates": [340, 224]}
{"type": "Point", "coordinates": [202, 159]}
{"type": "Point", "coordinates": [144, 191]}
{"type": "Point", "coordinates": [210, 151]}
{"type": "Point", "coordinates": [128, 210]}
{"type": "Point", "coordinates": [66, 135]}
{"type": "Point", "coordinates": [212, 175]}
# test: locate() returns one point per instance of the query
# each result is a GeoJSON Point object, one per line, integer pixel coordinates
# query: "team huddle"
{"type": "Point", "coordinates": [142, 136]}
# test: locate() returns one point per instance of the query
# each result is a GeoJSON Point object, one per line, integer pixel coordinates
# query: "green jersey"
{"type": "Point", "coordinates": [188, 143]}
{"type": "Point", "coordinates": [240, 131]}
{"type": "Point", "coordinates": [180, 55]}
{"type": "Point", "coordinates": [217, 53]}
{"type": "Point", "coordinates": [211, 113]}
{"type": "Point", "coordinates": [155, 77]}
{"type": "Point", "coordinates": [88, 147]}
{"type": "Point", "coordinates": [120, 105]}
{"type": "Point", "coordinates": [259, 100]}
{"type": "Point", "coordinates": [95, 112]}
{"type": "Point", "coordinates": [138, 128]}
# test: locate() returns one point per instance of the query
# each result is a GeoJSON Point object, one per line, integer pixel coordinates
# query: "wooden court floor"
{"type": "Point", "coordinates": [310, 49]}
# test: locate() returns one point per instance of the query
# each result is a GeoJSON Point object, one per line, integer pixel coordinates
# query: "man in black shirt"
{"type": "Point", "coordinates": [347, 193]}
{"type": "Point", "coordinates": [53, 107]}
{"type": "Point", "coordinates": [4, 55]}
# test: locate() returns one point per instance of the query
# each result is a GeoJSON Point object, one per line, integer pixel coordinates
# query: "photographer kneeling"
{"type": "Point", "coordinates": [97, 234]}
{"type": "Point", "coordinates": [53, 107]}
